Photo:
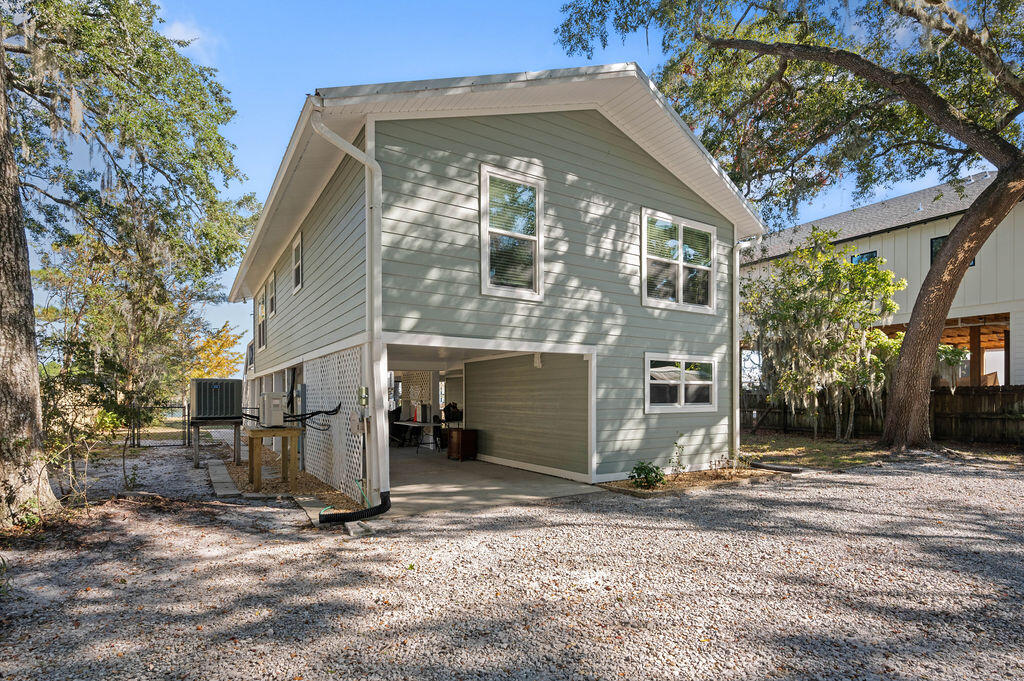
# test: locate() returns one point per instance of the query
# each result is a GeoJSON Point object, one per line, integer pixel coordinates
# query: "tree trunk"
{"type": "Point", "coordinates": [853, 408]}
{"type": "Point", "coordinates": [23, 477]}
{"type": "Point", "coordinates": [906, 414]}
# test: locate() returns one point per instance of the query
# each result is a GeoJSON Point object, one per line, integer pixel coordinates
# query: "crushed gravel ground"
{"type": "Point", "coordinates": [906, 571]}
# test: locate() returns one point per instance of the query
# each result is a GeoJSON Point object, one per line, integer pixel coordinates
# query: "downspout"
{"type": "Point", "coordinates": [734, 429]}
{"type": "Point", "coordinates": [377, 470]}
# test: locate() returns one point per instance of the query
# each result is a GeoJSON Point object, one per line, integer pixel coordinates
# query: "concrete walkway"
{"type": "Point", "coordinates": [429, 481]}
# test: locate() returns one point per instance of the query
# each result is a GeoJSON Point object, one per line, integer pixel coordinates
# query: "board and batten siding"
{"type": "Point", "coordinates": [994, 285]}
{"type": "Point", "coordinates": [597, 181]}
{"type": "Point", "coordinates": [331, 305]}
{"type": "Point", "coordinates": [531, 415]}
{"type": "Point", "coordinates": [996, 281]}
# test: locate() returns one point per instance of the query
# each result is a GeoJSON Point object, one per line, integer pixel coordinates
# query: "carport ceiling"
{"type": "Point", "coordinates": [422, 357]}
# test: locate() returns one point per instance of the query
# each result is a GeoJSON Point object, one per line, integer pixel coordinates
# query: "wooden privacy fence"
{"type": "Point", "coordinates": [981, 414]}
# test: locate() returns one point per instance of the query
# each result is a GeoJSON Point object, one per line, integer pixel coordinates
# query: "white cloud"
{"type": "Point", "coordinates": [202, 43]}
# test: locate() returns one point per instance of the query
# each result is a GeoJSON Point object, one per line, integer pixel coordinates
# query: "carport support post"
{"type": "Point", "coordinates": [977, 356]}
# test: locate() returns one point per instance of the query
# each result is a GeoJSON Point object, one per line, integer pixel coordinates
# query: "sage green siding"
{"type": "Point", "coordinates": [531, 415]}
{"type": "Point", "coordinates": [596, 183]}
{"type": "Point", "coordinates": [331, 305]}
{"type": "Point", "coordinates": [454, 390]}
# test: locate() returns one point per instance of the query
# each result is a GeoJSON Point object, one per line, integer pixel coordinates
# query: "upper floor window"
{"type": "Point", "coordinates": [678, 262]}
{"type": "Point", "coordinates": [937, 244]}
{"type": "Point", "coordinates": [272, 293]}
{"type": "Point", "coordinates": [511, 234]}
{"type": "Point", "coordinates": [677, 383]}
{"type": "Point", "coordinates": [863, 257]}
{"type": "Point", "coordinates": [297, 272]}
{"type": "Point", "coordinates": [261, 318]}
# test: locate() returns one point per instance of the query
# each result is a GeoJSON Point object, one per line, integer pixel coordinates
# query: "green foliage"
{"type": "Point", "coordinates": [646, 475]}
{"type": "Point", "coordinates": [123, 169]}
{"type": "Point", "coordinates": [950, 358]}
{"type": "Point", "coordinates": [785, 126]}
{"type": "Point", "coordinates": [810, 316]}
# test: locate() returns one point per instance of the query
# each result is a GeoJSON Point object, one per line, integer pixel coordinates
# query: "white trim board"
{"type": "Point", "coordinates": [496, 344]}
{"type": "Point", "coordinates": [535, 468]}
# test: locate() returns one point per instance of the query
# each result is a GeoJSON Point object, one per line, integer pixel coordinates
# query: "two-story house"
{"type": "Point", "coordinates": [553, 250]}
{"type": "Point", "coordinates": [987, 315]}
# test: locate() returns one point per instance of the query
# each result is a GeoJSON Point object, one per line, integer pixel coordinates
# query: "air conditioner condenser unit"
{"type": "Point", "coordinates": [215, 398]}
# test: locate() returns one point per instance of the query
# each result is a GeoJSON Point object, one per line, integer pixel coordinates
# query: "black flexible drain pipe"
{"type": "Point", "coordinates": [332, 517]}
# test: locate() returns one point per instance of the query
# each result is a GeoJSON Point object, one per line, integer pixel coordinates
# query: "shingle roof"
{"type": "Point", "coordinates": [901, 211]}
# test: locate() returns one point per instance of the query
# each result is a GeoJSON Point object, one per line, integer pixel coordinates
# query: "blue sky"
{"type": "Point", "coordinates": [271, 54]}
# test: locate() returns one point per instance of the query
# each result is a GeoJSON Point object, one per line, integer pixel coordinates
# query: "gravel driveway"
{"type": "Point", "coordinates": [904, 571]}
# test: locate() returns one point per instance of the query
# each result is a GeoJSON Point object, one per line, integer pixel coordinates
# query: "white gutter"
{"type": "Point", "coordinates": [378, 472]}
{"type": "Point", "coordinates": [734, 429]}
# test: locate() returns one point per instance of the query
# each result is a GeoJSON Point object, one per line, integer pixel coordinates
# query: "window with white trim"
{"type": "Point", "coordinates": [511, 234]}
{"type": "Point", "coordinates": [678, 262]}
{"type": "Point", "coordinates": [272, 294]}
{"type": "Point", "coordinates": [261, 319]}
{"type": "Point", "coordinates": [297, 272]}
{"type": "Point", "coordinates": [675, 383]}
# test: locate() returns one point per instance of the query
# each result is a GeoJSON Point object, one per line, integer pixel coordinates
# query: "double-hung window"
{"type": "Point", "coordinates": [272, 294]}
{"type": "Point", "coordinates": [511, 234]}
{"type": "Point", "coordinates": [297, 271]}
{"type": "Point", "coordinates": [261, 319]}
{"type": "Point", "coordinates": [675, 383]}
{"type": "Point", "coordinates": [678, 262]}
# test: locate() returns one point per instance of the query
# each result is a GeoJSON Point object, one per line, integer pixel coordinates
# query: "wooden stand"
{"type": "Point", "coordinates": [289, 455]}
{"type": "Point", "coordinates": [236, 425]}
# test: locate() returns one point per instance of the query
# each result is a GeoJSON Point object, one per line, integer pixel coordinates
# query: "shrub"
{"type": "Point", "coordinates": [646, 475]}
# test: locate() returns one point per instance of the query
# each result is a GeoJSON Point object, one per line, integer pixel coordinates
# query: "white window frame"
{"type": "Point", "coordinates": [261, 298]}
{"type": "Point", "coordinates": [297, 245]}
{"type": "Point", "coordinates": [649, 301]}
{"type": "Point", "coordinates": [486, 287]}
{"type": "Point", "coordinates": [680, 407]}
{"type": "Point", "coordinates": [272, 294]}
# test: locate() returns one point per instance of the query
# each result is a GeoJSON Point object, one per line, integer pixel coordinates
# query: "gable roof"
{"type": "Point", "coordinates": [898, 212]}
{"type": "Point", "coordinates": [621, 92]}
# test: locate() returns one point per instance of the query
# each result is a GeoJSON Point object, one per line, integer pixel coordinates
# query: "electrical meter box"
{"type": "Point", "coordinates": [215, 398]}
{"type": "Point", "coordinates": [272, 410]}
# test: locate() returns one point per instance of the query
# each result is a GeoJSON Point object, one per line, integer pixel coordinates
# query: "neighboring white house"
{"type": "Point", "coordinates": [556, 247]}
{"type": "Point", "coordinates": [987, 315]}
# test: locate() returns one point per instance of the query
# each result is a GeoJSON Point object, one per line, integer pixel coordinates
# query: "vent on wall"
{"type": "Point", "coordinates": [216, 398]}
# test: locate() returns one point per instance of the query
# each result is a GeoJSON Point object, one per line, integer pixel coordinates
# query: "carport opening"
{"type": "Point", "coordinates": [525, 417]}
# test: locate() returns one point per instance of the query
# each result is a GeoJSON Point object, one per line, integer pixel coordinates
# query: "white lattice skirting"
{"type": "Point", "coordinates": [336, 455]}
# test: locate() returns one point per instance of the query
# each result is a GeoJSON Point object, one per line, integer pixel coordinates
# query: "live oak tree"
{"type": "Point", "coordinates": [793, 96]}
{"type": "Point", "coordinates": [112, 132]}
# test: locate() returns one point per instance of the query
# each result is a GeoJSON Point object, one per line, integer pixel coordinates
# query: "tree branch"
{"type": "Point", "coordinates": [910, 88]}
{"type": "Point", "coordinates": [963, 35]}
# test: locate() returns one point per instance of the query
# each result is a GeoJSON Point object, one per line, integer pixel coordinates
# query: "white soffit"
{"type": "Point", "coordinates": [621, 92]}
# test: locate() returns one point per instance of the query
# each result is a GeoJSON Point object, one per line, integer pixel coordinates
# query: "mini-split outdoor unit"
{"type": "Point", "coordinates": [272, 410]}
{"type": "Point", "coordinates": [216, 398]}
